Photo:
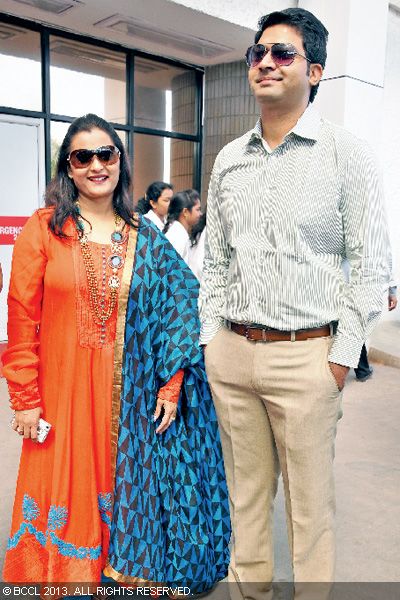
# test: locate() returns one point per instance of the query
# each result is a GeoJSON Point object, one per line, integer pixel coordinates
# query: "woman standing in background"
{"type": "Point", "coordinates": [197, 247]}
{"type": "Point", "coordinates": [183, 214]}
{"type": "Point", "coordinates": [155, 203]}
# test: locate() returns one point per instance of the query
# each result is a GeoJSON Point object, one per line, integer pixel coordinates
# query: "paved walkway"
{"type": "Point", "coordinates": [367, 479]}
{"type": "Point", "coordinates": [385, 342]}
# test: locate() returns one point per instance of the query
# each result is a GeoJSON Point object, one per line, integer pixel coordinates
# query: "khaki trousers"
{"type": "Point", "coordinates": [277, 405]}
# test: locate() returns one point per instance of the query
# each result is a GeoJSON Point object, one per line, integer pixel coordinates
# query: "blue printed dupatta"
{"type": "Point", "coordinates": [170, 519]}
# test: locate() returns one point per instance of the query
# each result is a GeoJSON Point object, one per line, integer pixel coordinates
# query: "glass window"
{"type": "Point", "coordinates": [57, 134]}
{"type": "Point", "coordinates": [86, 78]}
{"type": "Point", "coordinates": [162, 159]}
{"type": "Point", "coordinates": [124, 137]}
{"type": "Point", "coordinates": [20, 68]}
{"type": "Point", "coordinates": [164, 96]}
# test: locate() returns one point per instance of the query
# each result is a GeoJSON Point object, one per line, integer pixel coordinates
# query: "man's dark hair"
{"type": "Point", "coordinates": [314, 34]}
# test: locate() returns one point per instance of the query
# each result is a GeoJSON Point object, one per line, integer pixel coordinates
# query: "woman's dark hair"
{"type": "Point", "coordinates": [153, 192]}
{"type": "Point", "coordinates": [62, 192]}
{"type": "Point", "coordinates": [186, 199]}
{"type": "Point", "coordinates": [197, 229]}
{"type": "Point", "coordinates": [314, 34]}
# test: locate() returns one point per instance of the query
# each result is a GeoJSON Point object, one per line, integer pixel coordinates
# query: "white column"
{"type": "Point", "coordinates": [351, 93]}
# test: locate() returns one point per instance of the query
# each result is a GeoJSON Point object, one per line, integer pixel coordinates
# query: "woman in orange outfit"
{"type": "Point", "coordinates": [92, 350]}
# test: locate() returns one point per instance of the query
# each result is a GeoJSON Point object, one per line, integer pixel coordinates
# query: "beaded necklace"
{"type": "Point", "coordinates": [101, 310]}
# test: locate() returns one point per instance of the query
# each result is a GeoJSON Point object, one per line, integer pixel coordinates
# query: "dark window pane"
{"type": "Point", "coordinates": [20, 68]}
{"type": "Point", "coordinates": [162, 159]}
{"type": "Point", "coordinates": [164, 96]}
{"type": "Point", "coordinates": [86, 78]}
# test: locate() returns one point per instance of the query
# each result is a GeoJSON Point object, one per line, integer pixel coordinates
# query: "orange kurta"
{"type": "Point", "coordinates": [57, 359]}
{"type": "Point", "coordinates": [62, 365]}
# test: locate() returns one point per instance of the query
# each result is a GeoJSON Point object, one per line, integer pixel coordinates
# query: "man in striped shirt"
{"type": "Point", "coordinates": [288, 202]}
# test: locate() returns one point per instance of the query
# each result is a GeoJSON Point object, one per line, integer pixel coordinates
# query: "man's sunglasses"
{"type": "Point", "coordinates": [281, 54]}
{"type": "Point", "coordinates": [107, 155]}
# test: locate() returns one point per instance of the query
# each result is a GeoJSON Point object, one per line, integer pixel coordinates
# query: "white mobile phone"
{"type": "Point", "coordinates": [42, 430]}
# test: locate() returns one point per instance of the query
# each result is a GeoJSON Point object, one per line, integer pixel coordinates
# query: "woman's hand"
{"type": "Point", "coordinates": [169, 414]}
{"type": "Point", "coordinates": [25, 422]}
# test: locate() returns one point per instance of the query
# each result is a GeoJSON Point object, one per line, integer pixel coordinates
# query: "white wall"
{"type": "Point", "coordinates": [351, 92]}
{"type": "Point", "coordinates": [390, 155]}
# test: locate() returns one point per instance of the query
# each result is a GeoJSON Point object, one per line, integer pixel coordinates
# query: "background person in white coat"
{"type": "Point", "coordinates": [197, 247]}
{"type": "Point", "coordinates": [183, 214]}
{"type": "Point", "coordinates": [155, 203]}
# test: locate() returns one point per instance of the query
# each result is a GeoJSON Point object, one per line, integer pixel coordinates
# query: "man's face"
{"type": "Point", "coordinates": [274, 85]}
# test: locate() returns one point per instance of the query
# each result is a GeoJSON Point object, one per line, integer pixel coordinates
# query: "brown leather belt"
{"type": "Point", "coordinates": [255, 333]}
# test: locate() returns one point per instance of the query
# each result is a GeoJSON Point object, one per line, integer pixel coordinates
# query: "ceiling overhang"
{"type": "Point", "coordinates": [160, 27]}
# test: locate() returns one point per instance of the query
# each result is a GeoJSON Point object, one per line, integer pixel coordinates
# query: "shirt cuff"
{"type": "Point", "coordinates": [209, 330]}
{"type": "Point", "coordinates": [345, 351]}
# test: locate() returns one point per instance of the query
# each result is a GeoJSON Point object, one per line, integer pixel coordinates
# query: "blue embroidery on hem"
{"type": "Point", "coordinates": [57, 519]}
{"type": "Point", "coordinates": [68, 549]}
{"type": "Point", "coordinates": [26, 528]}
{"type": "Point", "coordinates": [30, 509]}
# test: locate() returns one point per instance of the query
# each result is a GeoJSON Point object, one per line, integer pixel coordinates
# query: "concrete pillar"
{"type": "Point", "coordinates": [183, 102]}
{"type": "Point", "coordinates": [229, 111]}
{"type": "Point", "coordinates": [181, 164]}
{"type": "Point", "coordinates": [183, 120]}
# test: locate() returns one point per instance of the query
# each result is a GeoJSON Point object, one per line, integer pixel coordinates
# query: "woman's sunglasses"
{"type": "Point", "coordinates": [281, 54]}
{"type": "Point", "coordinates": [107, 155]}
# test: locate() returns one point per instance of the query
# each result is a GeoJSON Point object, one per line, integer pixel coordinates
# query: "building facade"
{"type": "Point", "coordinates": [171, 78]}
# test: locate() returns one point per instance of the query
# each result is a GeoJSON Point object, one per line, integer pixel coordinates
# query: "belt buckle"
{"type": "Point", "coordinates": [248, 328]}
{"type": "Point", "coordinates": [263, 334]}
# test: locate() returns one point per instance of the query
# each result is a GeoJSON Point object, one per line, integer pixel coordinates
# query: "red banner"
{"type": "Point", "coordinates": [10, 228]}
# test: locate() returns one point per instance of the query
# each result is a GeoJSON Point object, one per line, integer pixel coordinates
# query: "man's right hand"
{"type": "Point", "coordinates": [392, 301]}
{"type": "Point", "coordinates": [339, 372]}
{"type": "Point", "coordinates": [26, 422]}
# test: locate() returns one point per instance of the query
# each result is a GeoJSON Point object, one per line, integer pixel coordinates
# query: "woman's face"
{"type": "Point", "coordinates": [96, 181]}
{"type": "Point", "coordinates": [161, 206]}
{"type": "Point", "coordinates": [193, 215]}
